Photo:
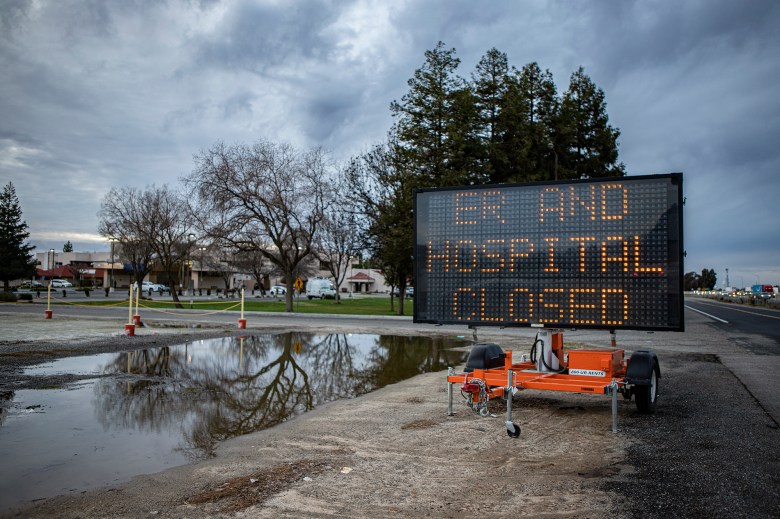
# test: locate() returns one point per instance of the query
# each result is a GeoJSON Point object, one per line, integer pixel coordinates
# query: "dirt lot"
{"type": "Point", "coordinates": [710, 450]}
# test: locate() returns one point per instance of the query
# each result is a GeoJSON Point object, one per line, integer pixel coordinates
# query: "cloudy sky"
{"type": "Point", "coordinates": [96, 94]}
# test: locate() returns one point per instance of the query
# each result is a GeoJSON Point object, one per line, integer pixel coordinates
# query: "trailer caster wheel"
{"type": "Point", "coordinates": [513, 430]}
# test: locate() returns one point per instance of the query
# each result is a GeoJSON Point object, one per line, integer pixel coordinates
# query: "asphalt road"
{"type": "Point", "coordinates": [734, 318]}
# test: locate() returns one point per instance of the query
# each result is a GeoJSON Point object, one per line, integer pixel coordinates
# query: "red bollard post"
{"type": "Point", "coordinates": [242, 324]}
{"type": "Point", "coordinates": [130, 330]}
{"type": "Point", "coordinates": [48, 314]}
{"type": "Point", "coordinates": [137, 320]}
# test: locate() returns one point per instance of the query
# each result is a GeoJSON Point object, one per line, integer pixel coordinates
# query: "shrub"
{"type": "Point", "coordinates": [7, 297]}
{"type": "Point", "coordinates": [25, 297]}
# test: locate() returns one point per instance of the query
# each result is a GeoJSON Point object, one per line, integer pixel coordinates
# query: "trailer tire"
{"type": "Point", "coordinates": [647, 395]}
{"type": "Point", "coordinates": [514, 432]}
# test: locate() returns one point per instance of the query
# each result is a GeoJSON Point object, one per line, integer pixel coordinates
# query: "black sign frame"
{"type": "Point", "coordinates": [607, 277]}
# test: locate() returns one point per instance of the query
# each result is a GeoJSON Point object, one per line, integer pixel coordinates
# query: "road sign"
{"type": "Point", "coordinates": [299, 284]}
{"type": "Point", "coordinates": [599, 253]}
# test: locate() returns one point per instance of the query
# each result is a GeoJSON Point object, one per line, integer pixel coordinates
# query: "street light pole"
{"type": "Point", "coordinates": [111, 272]}
{"type": "Point", "coordinates": [190, 284]}
{"type": "Point", "coordinates": [201, 250]}
{"type": "Point", "coordinates": [51, 263]}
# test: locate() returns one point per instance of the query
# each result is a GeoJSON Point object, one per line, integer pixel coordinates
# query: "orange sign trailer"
{"type": "Point", "coordinates": [491, 373]}
{"type": "Point", "coordinates": [603, 253]}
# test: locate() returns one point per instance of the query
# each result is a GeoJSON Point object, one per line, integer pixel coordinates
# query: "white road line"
{"type": "Point", "coordinates": [705, 313]}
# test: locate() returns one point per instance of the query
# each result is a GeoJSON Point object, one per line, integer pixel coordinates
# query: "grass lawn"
{"type": "Point", "coordinates": [347, 306]}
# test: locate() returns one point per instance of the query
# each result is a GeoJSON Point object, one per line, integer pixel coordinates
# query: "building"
{"type": "Point", "coordinates": [200, 273]}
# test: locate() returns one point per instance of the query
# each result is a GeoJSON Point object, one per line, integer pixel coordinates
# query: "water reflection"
{"type": "Point", "coordinates": [149, 410]}
{"type": "Point", "coordinates": [217, 389]}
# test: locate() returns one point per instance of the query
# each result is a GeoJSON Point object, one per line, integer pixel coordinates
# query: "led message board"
{"type": "Point", "coordinates": [603, 253]}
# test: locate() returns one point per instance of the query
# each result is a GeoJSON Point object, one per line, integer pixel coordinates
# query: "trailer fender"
{"type": "Point", "coordinates": [640, 368]}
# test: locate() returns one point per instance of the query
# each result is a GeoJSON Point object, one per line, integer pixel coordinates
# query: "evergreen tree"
{"type": "Point", "coordinates": [527, 125]}
{"type": "Point", "coordinates": [68, 247]}
{"type": "Point", "coordinates": [708, 279]}
{"type": "Point", "coordinates": [691, 281]}
{"type": "Point", "coordinates": [466, 164]}
{"type": "Point", "coordinates": [426, 130]}
{"type": "Point", "coordinates": [16, 260]}
{"type": "Point", "coordinates": [587, 143]}
{"type": "Point", "coordinates": [490, 81]}
{"type": "Point", "coordinates": [383, 196]}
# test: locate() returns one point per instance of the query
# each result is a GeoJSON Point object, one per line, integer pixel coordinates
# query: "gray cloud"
{"type": "Point", "coordinates": [96, 94]}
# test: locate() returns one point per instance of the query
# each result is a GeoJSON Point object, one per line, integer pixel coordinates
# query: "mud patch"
{"type": "Point", "coordinates": [241, 492]}
{"type": "Point", "coordinates": [419, 424]}
{"type": "Point", "coordinates": [50, 353]}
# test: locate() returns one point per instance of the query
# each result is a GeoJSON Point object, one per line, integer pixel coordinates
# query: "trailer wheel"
{"type": "Point", "coordinates": [646, 396]}
{"type": "Point", "coordinates": [514, 431]}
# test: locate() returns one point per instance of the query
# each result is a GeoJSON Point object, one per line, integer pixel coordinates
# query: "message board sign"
{"type": "Point", "coordinates": [602, 253]}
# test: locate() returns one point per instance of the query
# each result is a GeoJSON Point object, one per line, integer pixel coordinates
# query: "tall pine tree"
{"type": "Point", "coordinates": [587, 143]}
{"type": "Point", "coordinates": [16, 260]}
{"type": "Point", "coordinates": [490, 81]}
{"type": "Point", "coordinates": [434, 121]}
{"type": "Point", "coordinates": [527, 126]}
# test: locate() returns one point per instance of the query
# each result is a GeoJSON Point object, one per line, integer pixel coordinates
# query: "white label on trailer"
{"type": "Point", "coordinates": [587, 372]}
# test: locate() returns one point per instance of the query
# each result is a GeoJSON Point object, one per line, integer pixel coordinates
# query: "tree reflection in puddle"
{"type": "Point", "coordinates": [221, 388]}
{"type": "Point", "coordinates": [148, 410]}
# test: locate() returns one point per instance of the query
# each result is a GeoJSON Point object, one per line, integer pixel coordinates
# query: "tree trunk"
{"type": "Point", "coordinates": [175, 296]}
{"type": "Point", "coordinates": [288, 299]}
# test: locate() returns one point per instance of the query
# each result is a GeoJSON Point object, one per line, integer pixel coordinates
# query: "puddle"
{"type": "Point", "coordinates": [157, 408]}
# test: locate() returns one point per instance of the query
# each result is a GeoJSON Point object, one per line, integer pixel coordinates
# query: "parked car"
{"type": "Point", "coordinates": [31, 286]}
{"type": "Point", "coordinates": [61, 283]}
{"type": "Point", "coordinates": [154, 287]}
{"type": "Point", "coordinates": [408, 292]}
{"type": "Point", "coordinates": [277, 290]}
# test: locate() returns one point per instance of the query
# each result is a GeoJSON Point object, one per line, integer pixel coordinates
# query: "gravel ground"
{"type": "Point", "coordinates": [709, 451]}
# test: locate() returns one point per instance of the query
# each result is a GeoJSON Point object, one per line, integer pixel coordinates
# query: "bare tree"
{"type": "Point", "coordinates": [221, 261]}
{"type": "Point", "coordinates": [383, 187]}
{"type": "Point", "coordinates": [256, 264]}
{"type": "Point", "coordinates": [155, 220]}
{"type": "Point", "coordinates": [339, 239]}
{"type": "Point", "coordinates": [122, 218]}
{"type": "Point", "coordinates": [266, 198]}
{"type": "Point", "coordinates": [168, 231]}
